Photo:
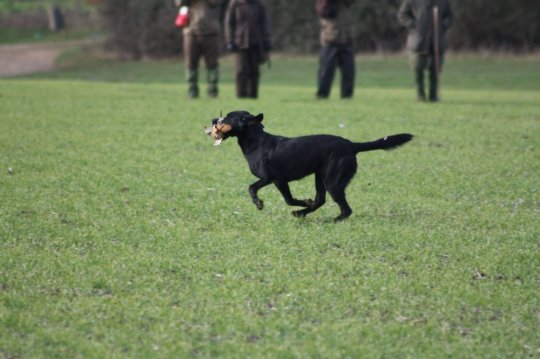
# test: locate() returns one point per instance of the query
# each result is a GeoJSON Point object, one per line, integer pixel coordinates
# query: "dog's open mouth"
{"type": "Point", "coordinates": [218, 132]}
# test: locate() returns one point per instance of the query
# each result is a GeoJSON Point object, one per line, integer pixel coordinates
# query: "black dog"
{"type": "Point", "coordinates": [279, 160]}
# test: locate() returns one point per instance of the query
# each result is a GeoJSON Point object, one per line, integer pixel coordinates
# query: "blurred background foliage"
{"type": "Point", "coordinates": [144, 28]}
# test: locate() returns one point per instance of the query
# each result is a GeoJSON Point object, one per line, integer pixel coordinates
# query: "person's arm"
{"type": "Point", "coordinates": [405, 15]}
{"type": "Point", "coordinates": [230, 26]}
{"type": "Point", "coordinates": [447, 17]}
{"type": "Point", "coordinates": [265, 30]}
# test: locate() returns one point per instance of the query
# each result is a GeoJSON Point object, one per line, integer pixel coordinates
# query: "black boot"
{"type": "Point", "coordinates": [433, 86]}
{"type": "Point", "coordinates": [253, 87]}
{"type": "Point", "coordinates": [241, 85]}
{"type": "Point", "coordinates": [419, 79]}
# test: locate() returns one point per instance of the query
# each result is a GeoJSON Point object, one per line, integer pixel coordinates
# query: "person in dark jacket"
{"type": "Point", "coordinates": [201, 40]}
{"type": "Point", "coordinates": [248, 36]}
{"type": "Point", "coordinates": [418, 17]}
{"type": "Point", "coordinates": [336, 36]}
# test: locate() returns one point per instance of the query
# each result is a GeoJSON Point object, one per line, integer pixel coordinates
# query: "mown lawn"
{"type": "Point", "coordinates": [125, 233]}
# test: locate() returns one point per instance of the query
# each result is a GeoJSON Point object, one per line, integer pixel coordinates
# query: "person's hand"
{"type": "Point", "coordinates": [231, 46]}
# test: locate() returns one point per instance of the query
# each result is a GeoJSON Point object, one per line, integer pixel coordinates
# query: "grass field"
{"type": "Point", "coordinates": [125, 233]}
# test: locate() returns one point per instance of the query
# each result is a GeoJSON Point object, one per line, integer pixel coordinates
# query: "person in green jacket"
{"type": "Point", "coordinates": [418, 17]}
{"type": "Point", "coordinates": [201, 40]}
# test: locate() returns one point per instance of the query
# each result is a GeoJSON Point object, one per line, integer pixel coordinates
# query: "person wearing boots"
{"type": "Point", "coordinates": [248, 36]}
{"type": "Point", "coordinates": [336, 36]}
{"type": "Point", "coordinates": [418, 17]}
{"type": "Point", "coordinates": [201, 39]}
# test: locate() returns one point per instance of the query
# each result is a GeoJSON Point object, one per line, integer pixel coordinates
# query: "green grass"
{"type": "Point", "coordinates": [32, 36]}
{"type": "Point", "coordinates": [125, 233]}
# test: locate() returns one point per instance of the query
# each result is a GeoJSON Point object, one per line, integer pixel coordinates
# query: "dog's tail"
{"type": "Point", "coordinates": [385, 143]}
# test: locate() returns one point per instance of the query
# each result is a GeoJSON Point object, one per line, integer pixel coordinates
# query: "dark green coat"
{"type": "Point", "coordinates": [417, 17]}
{"type": "Point", "coordinates": [204, 17]}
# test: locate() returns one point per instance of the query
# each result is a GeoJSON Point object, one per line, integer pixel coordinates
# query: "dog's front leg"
{"type": "Point", "coordinates": [285, 191]}
{"type": "Point", "coordinates": [254, 188]}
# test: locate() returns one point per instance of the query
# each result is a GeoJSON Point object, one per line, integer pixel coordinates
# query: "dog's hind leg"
{"type": "Point", "coordinates": [320, 198]}
{"type": "Point", "coordinates": [341, 172]}
{"type": "Point", "coordinates": [338, 195]}
{"type": "Point", "coordinates": [254, 188]}
{"type": "Point", "coordinates": [285, 191]}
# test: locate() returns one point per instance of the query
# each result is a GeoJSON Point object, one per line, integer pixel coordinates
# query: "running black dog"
{"type": "Point", "coordinates": [279, 160]}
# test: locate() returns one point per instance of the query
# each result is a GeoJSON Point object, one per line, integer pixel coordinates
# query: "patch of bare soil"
{"type": "Point", "coordinates": [29, 58]}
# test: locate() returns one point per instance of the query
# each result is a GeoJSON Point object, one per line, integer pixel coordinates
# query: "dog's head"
{"type": "Point", "coordinates": [234, 124]}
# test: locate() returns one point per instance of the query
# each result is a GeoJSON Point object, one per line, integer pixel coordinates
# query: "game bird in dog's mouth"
{"type": "Point", "coordinates": [218, 130]}
{"type": "Point", "coordinates": [280, 160]}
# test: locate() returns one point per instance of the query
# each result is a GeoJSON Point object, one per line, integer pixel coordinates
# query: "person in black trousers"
{"type": "Point", "coordinates": [248, 36]}
{"type": "Point", "coordinates": [336, 21]}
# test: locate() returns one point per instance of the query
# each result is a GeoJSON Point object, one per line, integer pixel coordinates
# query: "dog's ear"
{"type": "Point", "coordinates": [254, 120]}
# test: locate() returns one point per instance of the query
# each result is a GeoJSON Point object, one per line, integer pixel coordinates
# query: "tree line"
{"type": "Point", "coordinates": [141, 28]}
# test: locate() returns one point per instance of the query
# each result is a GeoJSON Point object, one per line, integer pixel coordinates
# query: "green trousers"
{"type": "Point", "coordinates": [422, 63]}
{"type": "Point", "coordinates": [197, 47]}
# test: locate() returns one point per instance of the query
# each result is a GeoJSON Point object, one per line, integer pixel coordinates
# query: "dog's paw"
{"type": "Point", "coordinates": [299, 214]}
{"type": "Point", "coordinates": [259, 204]}
{"type": "Point", "coordinates": [342, 216]}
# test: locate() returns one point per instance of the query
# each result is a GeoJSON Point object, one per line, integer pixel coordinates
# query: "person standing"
{"type": "Point", "coordinates": [248, 36]}
{"type": "Point", "coordinates": [418, 16]}
{"type": "Point", "coordinates": [336, 36]}
{"type": "Point", "coordinates": [201, 39]}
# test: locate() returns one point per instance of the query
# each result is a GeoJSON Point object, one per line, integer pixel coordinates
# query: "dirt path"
{"type": "Point", "coordinates": [28, 58]}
